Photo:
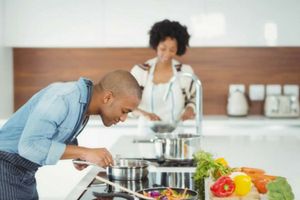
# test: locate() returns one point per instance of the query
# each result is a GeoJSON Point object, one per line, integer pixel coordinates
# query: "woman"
{"type": "Point", "coordinates": [168, 39]}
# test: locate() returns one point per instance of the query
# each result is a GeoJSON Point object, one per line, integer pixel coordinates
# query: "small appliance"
{"type": "Point", "coordinates": [237, 104]}
{"type": "Point", "coordinates": [281, 106]}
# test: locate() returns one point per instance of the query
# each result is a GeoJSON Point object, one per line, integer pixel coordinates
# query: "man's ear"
{"type": "Point", "coordinates": [108, 97]}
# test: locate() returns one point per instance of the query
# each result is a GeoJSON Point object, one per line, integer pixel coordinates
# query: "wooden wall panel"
{"type": "Point", "coordinates": [217, 67]}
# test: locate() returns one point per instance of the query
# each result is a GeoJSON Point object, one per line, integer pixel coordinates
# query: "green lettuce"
{"type": "Point", "coordinates": [279, 189]}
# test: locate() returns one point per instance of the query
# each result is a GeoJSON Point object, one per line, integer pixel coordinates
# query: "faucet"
{"type": "Point", "coordinates": [199, 97]}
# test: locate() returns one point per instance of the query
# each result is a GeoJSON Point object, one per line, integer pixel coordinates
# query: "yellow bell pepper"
{"type": "Point", "coordinates": [243, 184]}
{"type": "Point", "coordinates": [222, 161]}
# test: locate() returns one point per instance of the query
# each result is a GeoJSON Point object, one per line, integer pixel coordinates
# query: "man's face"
{"type": "Point", "coordinates": [117, 109]}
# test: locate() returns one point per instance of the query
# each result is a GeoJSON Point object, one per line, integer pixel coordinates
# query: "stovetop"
{"type": "Point", "coordinates": [154, 179]}
{"type": "Point", "coordinates": [171, 163]}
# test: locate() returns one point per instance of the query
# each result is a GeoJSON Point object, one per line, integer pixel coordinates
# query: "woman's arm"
{"type": "Point", "coordinates": [150, 116]}
{"type": "Point", "coordinates": [190, 95]}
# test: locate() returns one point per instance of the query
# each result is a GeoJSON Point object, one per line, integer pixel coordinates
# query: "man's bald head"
{"type": "Point", "coordinates": [121, 83]}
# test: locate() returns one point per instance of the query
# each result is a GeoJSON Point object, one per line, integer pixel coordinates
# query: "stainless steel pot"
{"type": "Point", "coordinates": [128, 169]}
{"type": "Point", "coordinates": [176, 146]}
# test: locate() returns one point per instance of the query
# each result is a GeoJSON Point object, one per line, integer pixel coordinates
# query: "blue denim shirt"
{"type": "Point", "coordinates": [39, 130]}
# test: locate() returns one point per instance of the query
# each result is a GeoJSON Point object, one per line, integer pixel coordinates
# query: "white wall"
{"type": "Point", "coordinates": [6, 86]}
{"type": "Point", "coordinates": [101, 23]}
{"type": "Point", "coordinates": [125, 23]}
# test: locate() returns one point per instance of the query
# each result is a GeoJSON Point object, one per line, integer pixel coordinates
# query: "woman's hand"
{"type": "Point", "coordinates": [188, 114]}
{"type": "Point", "coordinates": [152, 116]}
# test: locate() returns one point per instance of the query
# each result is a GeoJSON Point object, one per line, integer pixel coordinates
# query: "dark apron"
{"type": "Point", "coordinates": [17, 177]}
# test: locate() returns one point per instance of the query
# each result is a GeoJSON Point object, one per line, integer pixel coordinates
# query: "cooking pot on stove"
{"type": "Point", "coordinates": [180, 147]}
{"type": "Point", "coordinates": [128, 169]}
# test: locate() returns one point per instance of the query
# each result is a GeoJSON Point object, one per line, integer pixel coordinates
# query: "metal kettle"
{"type": "Point", "coordinates": [237, 104]}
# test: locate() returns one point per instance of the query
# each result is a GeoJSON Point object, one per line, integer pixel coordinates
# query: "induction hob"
{"type": "Point", "coordinates": [154, 179]}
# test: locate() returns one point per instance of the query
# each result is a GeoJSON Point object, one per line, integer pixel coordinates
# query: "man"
{"type": "Point", "coordinates": [44, 130]}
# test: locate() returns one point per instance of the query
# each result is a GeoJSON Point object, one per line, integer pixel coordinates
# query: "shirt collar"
{"type": "Point", "coordinates": [84, 85]}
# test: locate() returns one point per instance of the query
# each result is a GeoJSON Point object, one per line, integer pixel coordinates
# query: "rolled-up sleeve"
{"type": "Point", "coordinates": [38, 143]}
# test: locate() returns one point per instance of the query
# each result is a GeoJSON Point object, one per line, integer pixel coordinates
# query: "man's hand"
{"type": "Point", "coordinates": [97, 156]}
{"type": "Point", "coordinates": [80, 166]}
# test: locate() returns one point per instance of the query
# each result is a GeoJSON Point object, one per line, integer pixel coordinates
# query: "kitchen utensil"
{"type": "Point", "coordinates": [112, 195]}
{"type": "Point", "coordinates": [237, 104]}
{"type": "Point", "coordinates": [180, 147]}
{"type": "Point", "coordinates": [128, 169]}
{"type": "Point", "coordinates": [82, 162]}
{"type": "Point", "coordinates": [193, 195]}
{"type": "Point", "coordinates": [162, 127]}
{"type": "Point", "coordinates": [124, 169]}
{"type": "Point", "coordinates": [123, 188]}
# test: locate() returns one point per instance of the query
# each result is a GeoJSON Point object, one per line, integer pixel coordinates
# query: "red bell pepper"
{"type": "Point", "coordinates": [223, 187]}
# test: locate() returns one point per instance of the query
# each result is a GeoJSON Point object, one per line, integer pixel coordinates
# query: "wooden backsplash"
{"type": "Point", "coordinates": [217, 67]}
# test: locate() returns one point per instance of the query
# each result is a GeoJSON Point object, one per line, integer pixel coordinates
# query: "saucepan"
{"type": "Point", "coordinates": [128, 169]}
{"type": "Point", "coordinates": [173, 146]}
{"type": "Point", "coordinates": [179, 147]}
{"type": "Point", "coordinates": [124, 169]}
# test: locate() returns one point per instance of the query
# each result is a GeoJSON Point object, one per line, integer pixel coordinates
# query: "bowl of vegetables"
{"type": "Point", "coordinates": [169, 193]}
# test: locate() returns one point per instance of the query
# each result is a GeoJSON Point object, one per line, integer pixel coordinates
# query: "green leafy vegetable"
{"type": "Point", "coordinates": [207, 167]}
{"type": "Point", "coordinates": [279, 189]}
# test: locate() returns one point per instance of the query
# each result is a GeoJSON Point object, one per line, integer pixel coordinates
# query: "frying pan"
{"type": "Point", "coordinates": [193, 195]}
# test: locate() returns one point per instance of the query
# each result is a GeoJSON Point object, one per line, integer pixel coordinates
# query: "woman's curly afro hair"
{"type": "Point", "coordinates": [173, 29]}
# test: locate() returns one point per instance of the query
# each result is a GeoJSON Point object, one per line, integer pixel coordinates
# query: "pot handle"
{"type": "Point", "coordinates": [112, 195]}
{"type": "Point", "coordinates": [143, 141]}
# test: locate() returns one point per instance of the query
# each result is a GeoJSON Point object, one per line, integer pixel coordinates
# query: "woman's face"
{"type": "Point", "coordinates": [166, 50]}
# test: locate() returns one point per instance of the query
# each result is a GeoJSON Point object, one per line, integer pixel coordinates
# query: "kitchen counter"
{"type": "Point", "coordinates": [277, 155]}
{"type": "Point", "coordinates": [254, 141]}
{"type": "Point", "coordinates": [208, 119]}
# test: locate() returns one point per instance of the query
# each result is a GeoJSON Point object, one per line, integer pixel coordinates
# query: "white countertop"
{"type": "Point", "coordinates": [277, 155]}
{"type": "Point", "coordinates": [208, 119]}
{"type": "Point", "coordinates": [254, 141]}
